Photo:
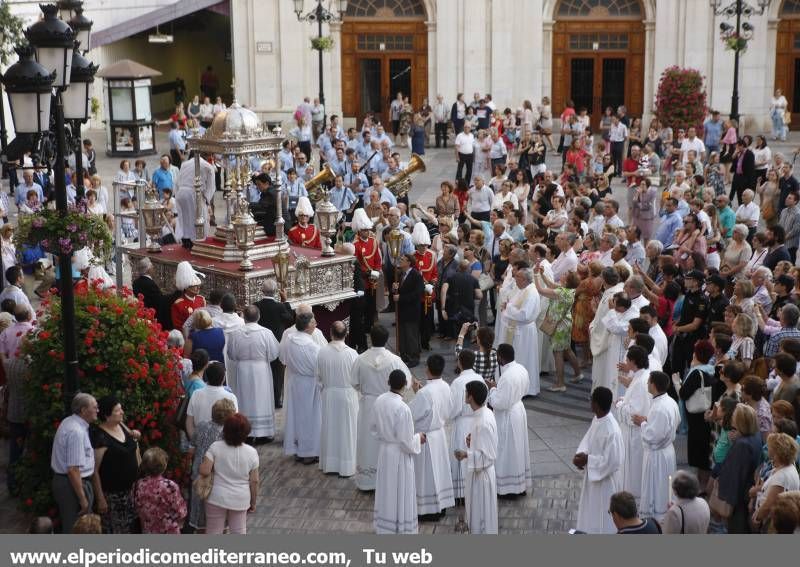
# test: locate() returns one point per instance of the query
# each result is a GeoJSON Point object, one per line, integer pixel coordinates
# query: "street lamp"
{"type": "Point", "coordinates": [82, 26]}
{"type": "Point", "coordinates": [68, 8]}
{"type": "Point", "coordinates": [29, 85]}
{"type": "Point", "coordinates": [321, 15]}
{"type": "Point", "coordinates": [76, 109]}
{"type": "Point", "coordinates": [327, 214]}
{"type": "Point", "coordinates": [736, 38]}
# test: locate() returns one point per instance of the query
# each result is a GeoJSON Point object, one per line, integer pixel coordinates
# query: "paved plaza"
{"type": "Point", "coordinates": [296, 498]}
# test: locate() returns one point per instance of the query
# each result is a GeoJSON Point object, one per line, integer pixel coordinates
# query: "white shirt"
{"type": "Point", "coordinates": [232, 466]}
{"type": "Point", "coordinates": [202, 400]}
{"type": "Point", "coordinates": [565, 263]}
{"type": "Point", "coordinates": [465, 142]}
{"type": "Point", "coordinates": [697, 145]}
{"type": "Point", "coordinates": [748, 214]}
{"type": "Point", "coordinates": [618, 132]}
{"type": "Point", "coordinates": [481, 199]}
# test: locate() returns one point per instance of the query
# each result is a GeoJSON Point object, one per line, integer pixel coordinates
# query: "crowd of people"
{"type": "Point", "coordinates": [631, 261]}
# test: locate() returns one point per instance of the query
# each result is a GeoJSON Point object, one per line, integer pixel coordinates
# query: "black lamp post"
{"type": "Point", "coordinates": [29, 85]}
{"type": "Point", "coordinates": [76, 110]}
{"type": "Point", "coordinates": [320, 15]}
{"type": "Point", "coordinates": [737, 37]}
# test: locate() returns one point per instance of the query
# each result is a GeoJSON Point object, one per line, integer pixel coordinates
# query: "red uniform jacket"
{"type": "Point", "coordinates": [426, 264]}
{"type": "Point", "coordinates": [307, 237]}
{"type": "Point", "coordinates": [183, 307]}
{"type": "Point", "coordinates": [368, 255]}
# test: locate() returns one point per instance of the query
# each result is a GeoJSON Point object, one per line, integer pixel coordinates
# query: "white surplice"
{"type": "Point", "coordinates": [602, 475]}
{"type": "Point", "coordinates": [430, 409]}
{"type": "Point", "coordinates": [616, 325]}
{"type": "Point", "coordinates": [636, 401]}
{"type": "Point", "coordinates": [521, 331]}
{"type": "Point", "coordinates": [339, 409]}
{"type": "Point", "coordinates": [513, 465]}
{"type": "Point", "coordinates": [186, 199]}
{"type": "Point", "coordinates": [317, 335]}
{"type": "Point", "coordinates": [250, 350]}
{"type": "Point", "coordinates": [507, 292]}
{"type": "Point", "coordinates": [461, 422]}
{"type": "Point", "coordinates": [599, 339]}
{"type": "Point", "coordinates": [481, 485]}
{"type": "Point", "coordinates": [661, 347]}
{"type": "Point", "coordinates": [658, 437]}
{"type": "Point", "coordinates": [302, 398]}
{"type": "Point", "coordinates": [370, 376]}
{"type": "Point", "coordinates": [392, 427]}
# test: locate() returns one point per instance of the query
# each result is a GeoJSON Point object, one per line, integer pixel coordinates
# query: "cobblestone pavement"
{"type": "Point", "coordinates": [295, 498]}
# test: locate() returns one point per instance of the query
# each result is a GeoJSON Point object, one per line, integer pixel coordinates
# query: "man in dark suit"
{"type": "Point", "coordinates": [275, 316]}
{"type": "Point", "coordinates": [408, 298]}
{"type": "Point", "coordinates": [744, 168]}
{"type": "Point", "coordinates": [151, 293]}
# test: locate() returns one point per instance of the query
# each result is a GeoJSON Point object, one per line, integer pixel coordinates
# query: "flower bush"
{"type": "Point", "coordinates": [121, 351]}
{"type": "Point", "coordinates": [681, 98]}
{"type": "Point", "coordinates": [64, 233]}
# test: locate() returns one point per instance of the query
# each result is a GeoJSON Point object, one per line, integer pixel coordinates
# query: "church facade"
{"type": "Point", "coordinates": [598, 53]}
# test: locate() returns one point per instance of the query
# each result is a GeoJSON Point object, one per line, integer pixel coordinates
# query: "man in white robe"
{"type": "Point", "coordinates": [600, 456]}
{"type": "Point", "coordinates": [186, 199]}
{"type": "Point", "coordinates": [519, 322]}
{"type": "Point", "coordinates": [317, 335]}
{"type": "Point", "coordinates": [250, 349]}
{"type": "Point", "coordinates": [480, 456]}
{"type": "Point", "coordinates": [369, 374]}
{"type": "Point", "coordinates": [299, 353]}
{"type": "Point", "coordinates": [393, 427]}
{"type": "Point", "coordinates": [658, 429]}
{"type": "Point", "coordinates": [636, 401]}
{"type": "Point", "coordinates": [461, 418]}
{"type": "Point", "coordinates": [430, 409]}
{"type": "Point", "coordinates": [513, 465]}
{"type": "Point", "coordinates": [599, 337]}
{"type": "Point", "coordinates": [661, 346]}
{"type": "Point", "coordinates": [616, 322]}
{"type": "Point", "coordinates": [339, 404]}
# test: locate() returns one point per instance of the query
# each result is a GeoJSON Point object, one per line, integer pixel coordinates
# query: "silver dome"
{"type": "Point", "coordinates": [234, 122]}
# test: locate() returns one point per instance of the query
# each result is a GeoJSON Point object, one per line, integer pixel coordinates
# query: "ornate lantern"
{"type": "Point", "coordinates": [153, 213]}
{"type": "Point", "coordinates": [53, 40]}
{"type": "Point", "coordinates": [244, 230]}
{"type": "Point", "coordinates": [327, 214]}
{"type": "Point", "coordinates": [395, 240]}
{"type": "Point", "coordinates": [280, 263]}
{"type": "Point", "coordinates": [28, 85]}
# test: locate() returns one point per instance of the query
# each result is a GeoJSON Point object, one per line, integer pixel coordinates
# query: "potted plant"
{"type": "Point", "coordinates": [324, 43]}
{"type": "Point", "coordinates": [681, 98]}
{"type": "Point", "coordinates": [64, 233]}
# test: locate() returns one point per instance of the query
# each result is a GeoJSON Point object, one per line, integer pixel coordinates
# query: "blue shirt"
{"type": "Point", "coordinates": [72, 447]}
{"type": "Point", "coordinates": [176, 141]}
{"type": "Point", "coordinates": [388, 197]}
{"type": "Point", "coordinates": [21, 193]}
{"type": "Point", "coordinates": [712, 133]}
{"type": "Point", "coordinates": [774, 342]}
{"type": "Point", "coordinates": [666, 230]}
{"type": "Point", "coordinates": [162, 179]}
{"type": "Point", "coordinates": [727, 219]}
{"type": "Point", "coordinates": [342, 198]}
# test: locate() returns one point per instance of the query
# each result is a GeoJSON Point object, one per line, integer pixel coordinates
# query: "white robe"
{"type": "Point", "coordinates": [521, 331]}
{"type": "Point", "coordinates": [339, 409]}
{"type": "Point", "coordinates": [481, 486]}
{"type": "Point", "coordinates": [602, 475]}
{"type": "Point", "coordinates": [661, 347]}
{"type": "Point", "coordinates": [636, 401]}
{"type": "Point", "coordinates": [658, 437]}
{"type": "Point", "coordinates": [430, 409]}
{"type": "Point", "coordinates": [250, 350]}
{"type": "Point", "coordinates": [513, 465]}
{"type": "Point", "coordinates": [186, 200]}
{"type": "Point", "coordinates": [599, 339]}
{"type": "Point", "coordinates": [616, 325]}
{"type": "Point", "coordinates": [317, 335]}
{"type": "Point", "coordinates": [507, 293]}
{"type": "Point", "coordinates": [370, 375]}
{"type": "Point", "coordinates": [392, 427]}
{"type": "Point", "coordinates": [303, 408]}
{"type": "Point", "coordinates": [461, 422]}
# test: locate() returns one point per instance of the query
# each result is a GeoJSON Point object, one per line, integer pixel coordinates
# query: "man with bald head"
{"type": "Point", "coordinates": [339, 404]}
{"type": "Point", "coordinates": [250, 350]}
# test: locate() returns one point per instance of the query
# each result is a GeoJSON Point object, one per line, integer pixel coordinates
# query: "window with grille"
{"type": "Point", "coordinates": [385, 9]}
{"type": "Point", "coordinates": [385, 42]}
{"type": "Point", "coordinates": [598, 41]}
{"type": "Point", "coordinates": [599, 8]}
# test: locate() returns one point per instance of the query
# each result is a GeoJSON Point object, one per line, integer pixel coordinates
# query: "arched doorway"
{"type": "Point", "coordinates": [787, 57]}
{"type": "Point", "coordinates": [598, 55]}
{"type": "Point", "coordinates": [384, 51]}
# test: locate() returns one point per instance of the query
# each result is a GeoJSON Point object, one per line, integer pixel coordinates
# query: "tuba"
{"type": "Point", "coordinates": [313, 185]}
{"type": "Point", "coordinates": [400, 183]}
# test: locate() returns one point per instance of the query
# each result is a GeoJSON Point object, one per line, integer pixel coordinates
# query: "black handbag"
{"type": "Point", "coordinates": [180, 415]}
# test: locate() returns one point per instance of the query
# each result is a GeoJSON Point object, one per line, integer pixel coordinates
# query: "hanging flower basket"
{"type": "Point", "coordinates": [64, 233]}
{"type": "Point", "coordinates": [322, 43]}
{"type": "Point", "coordinates": [735, 43]}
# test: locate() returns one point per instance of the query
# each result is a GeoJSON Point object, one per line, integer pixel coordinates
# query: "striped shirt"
{"type": "Point", "coordinates": [72, 447]}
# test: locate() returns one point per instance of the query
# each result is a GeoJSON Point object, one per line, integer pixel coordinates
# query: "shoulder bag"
{"type": "Point", "coordinates": [700, 401]}
{"type": "Point", "coordinates": [549, 324]}
{"type": "Point", "coordinates": [181, 413]}
{"type": "Point", "coordinates": [485, 281]}
{"type": "Point", "coordinates": [202, 485]}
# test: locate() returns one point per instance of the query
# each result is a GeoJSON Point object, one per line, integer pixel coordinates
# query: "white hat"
{"type": "Point", "coordinates": [82, 259]}
{"type": "Point", "coordinates": [97, 272]}
{"type": "Point", "coordinates": [304, 207]}
{"type": "Point", "coordinates": [361, 221]}
{"type": "Point", "coordinates": [185, 276]}
{"type": "Point", "coordinates": [420, 236]}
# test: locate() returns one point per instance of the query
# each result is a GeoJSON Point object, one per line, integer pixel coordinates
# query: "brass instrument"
{"type": "Point", "coordinates": [400, 183]}
{"type": "Point", "coordinates": [314, 185]}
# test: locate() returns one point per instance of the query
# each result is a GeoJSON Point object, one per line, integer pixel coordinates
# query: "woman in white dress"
{"type": "Point", "coordinates": [102, 192]}
{"type": "Point", "coordinates": [483, 144]}
{"type": "Point", "coordinates": [546, 122]}
{"type": "Point", "coordinates": [777, 109]}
